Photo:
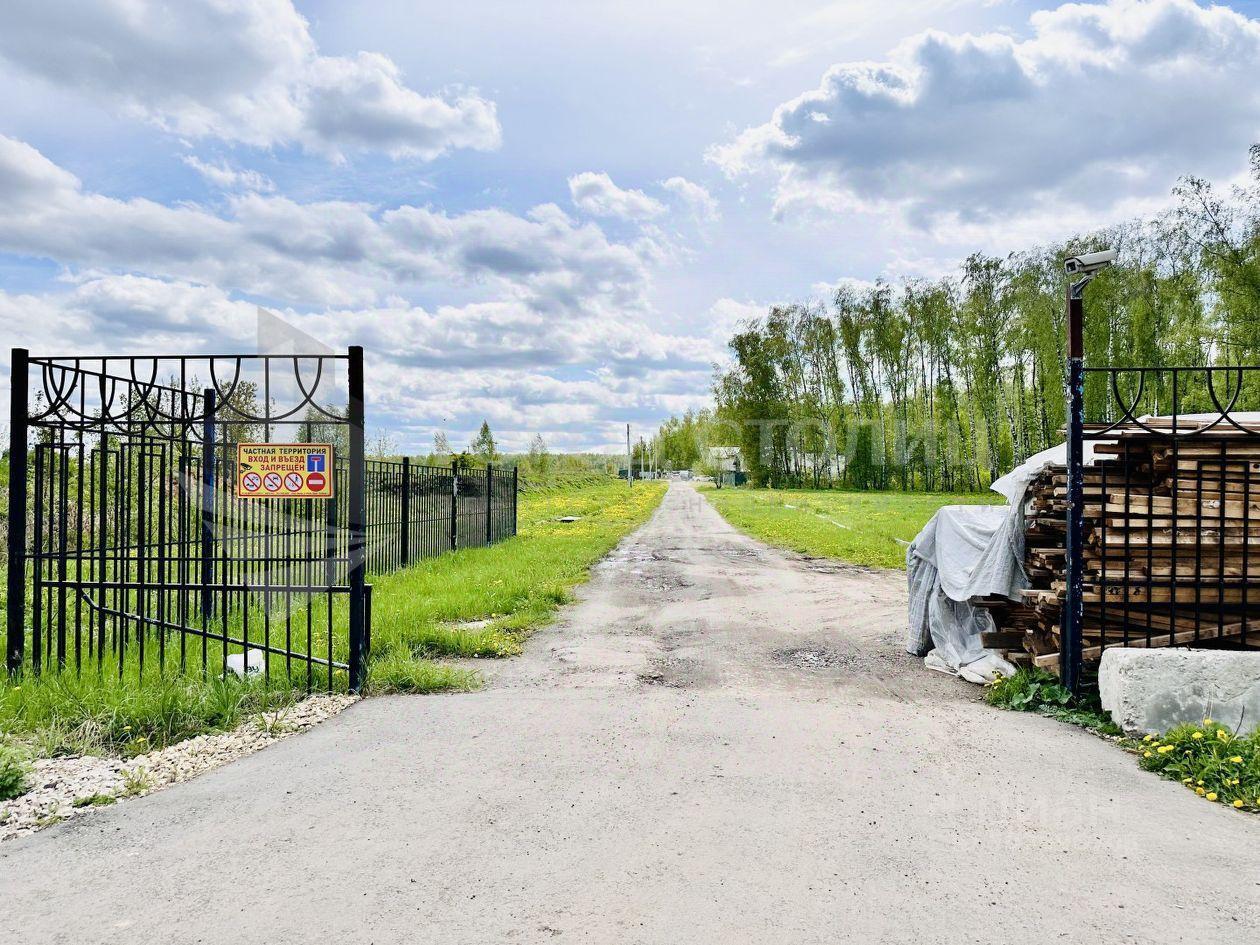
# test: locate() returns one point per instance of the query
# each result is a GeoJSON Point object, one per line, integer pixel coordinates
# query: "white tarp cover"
{"type": "Point", "coordinates": [968, 551]}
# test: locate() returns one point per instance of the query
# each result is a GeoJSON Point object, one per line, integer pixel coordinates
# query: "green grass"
{"type": "Point", "coordinates": [485, 601]}
{"type": "Point", "coordinates": [1210, 760]}
{"type": "Point", "coordinates": [420, 614]}
{"type": "Point", "coordinates": [61, 714]}
{"type": "Point", "coordinates": [857, 527]}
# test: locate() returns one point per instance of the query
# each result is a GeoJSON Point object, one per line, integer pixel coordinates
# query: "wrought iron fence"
{"type": "Point", "coordinates": [416, 511]}
{"type": "Point", "coordinates": [130, 551]}
{"type": "Point", "coordinates": [1164, 523]}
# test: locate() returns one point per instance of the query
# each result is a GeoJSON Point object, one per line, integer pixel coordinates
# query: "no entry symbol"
{"type": "Point", "coordinates": [293, 482]}
{"type": "Point", "coordinates": [250, 482]}
{"type": "Point", "coordinates": [315, 481]}
{"type": "Point", "coordinates": [271, 482]}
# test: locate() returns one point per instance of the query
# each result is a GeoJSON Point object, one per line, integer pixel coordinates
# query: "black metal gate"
{"type": "Point", "coordinates": [129, 549]}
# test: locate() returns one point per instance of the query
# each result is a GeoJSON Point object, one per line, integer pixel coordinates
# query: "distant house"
{"type": "Point", "coordinates": [725, 458]}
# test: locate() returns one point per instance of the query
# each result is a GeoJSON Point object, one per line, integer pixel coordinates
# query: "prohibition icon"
{"type": "Point", "coordinates": [315, 481]}
{"type": "Point", "coordinates": [271, 482]}
{"type": "Point", "coordinates": [293, 482]}
{"type": "Point", "coordinates": [251, 482]}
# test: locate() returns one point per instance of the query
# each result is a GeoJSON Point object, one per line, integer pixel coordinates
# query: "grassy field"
{"type": "Point", "coordinates": [476, 602]}
{"type": "Point", "coordinates": [485, 601]}
{"type": "Point", "coordinates": [858, 527]}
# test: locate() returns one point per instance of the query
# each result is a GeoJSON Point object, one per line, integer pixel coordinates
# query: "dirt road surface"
{"type": "Point", "coordinates": [719, 743]}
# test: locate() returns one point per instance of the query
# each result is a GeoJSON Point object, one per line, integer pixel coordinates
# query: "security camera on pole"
{"type": "Point", "coordinates": [1082, 270]}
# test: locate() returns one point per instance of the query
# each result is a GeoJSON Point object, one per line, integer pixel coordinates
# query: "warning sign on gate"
{"type": "Point", "coordinates": [284, 470]}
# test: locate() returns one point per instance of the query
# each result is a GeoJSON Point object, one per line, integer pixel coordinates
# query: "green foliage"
{"type": "Point", "coordinates": [1035, 690]}
{"type": "Point", "coordinates": [1210, 760]}
{"type": "Point", "coordinates": [483, 447]}
{"type": "Point", "coordinates": [1029, 690]}
{"type": "Point", "coordinates": [15, 771]}
{"type": "Point", "coordinates": [865, 528]}
{"type": "Point", "coordinates": [62, 714]}
{"type": "Point", "coordinates": [945, 384]}
{"type": "Point", "coordinates": [94, 800]}
{"type": "Point", "coordinates": [400, 671]}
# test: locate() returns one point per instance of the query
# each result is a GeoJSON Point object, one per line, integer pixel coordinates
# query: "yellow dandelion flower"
{"type": "Point", "coordinates": [1211, 795]}
{"type": "Point", "coordinates": [1149, 738]}
{"type": "Point", "coordinates": [1238, 804]}
{"type": "Point", "coordinates": [1164, 749]}
{"type": "Point", "coordinates": [1208, 722]}
{"type": "Point", "coordinates": [1147, 754]}
{"type": "Point", "coordinates": [1197, 735]}
{"type": "Point", "coordinates": [1237, 759]}
{"type": "Point", "coordinates": [1199, 791]}
{"type": "Point", "coordinates": [1222, 735]}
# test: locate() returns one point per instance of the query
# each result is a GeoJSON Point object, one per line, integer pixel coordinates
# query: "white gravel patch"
{"type": "Point", "coordinates": [57, 783]}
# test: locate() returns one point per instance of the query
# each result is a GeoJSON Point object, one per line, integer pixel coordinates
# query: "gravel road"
{"type": "Point", "coordinates": [719, 743]}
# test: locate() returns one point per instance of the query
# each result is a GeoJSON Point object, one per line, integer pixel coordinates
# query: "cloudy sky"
{"type": "Point", "coordinates": [550, 215]}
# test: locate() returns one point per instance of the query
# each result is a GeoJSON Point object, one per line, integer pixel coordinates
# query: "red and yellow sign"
{"type": "Point", "coordinates": [284, 470]}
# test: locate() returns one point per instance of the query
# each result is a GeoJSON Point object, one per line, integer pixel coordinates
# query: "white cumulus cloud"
{"type": "Point", "coordinates": [238, 70]}
{"type": "Point", "coordinates": [596, 194]}
{"type": "Point", "coordinates": [1099, 104]}
{"type": "Point", "coordinates": [702, 203]}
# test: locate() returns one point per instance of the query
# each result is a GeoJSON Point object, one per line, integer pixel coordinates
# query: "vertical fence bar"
{"type": "Point", "coordinates": [19, 405]}
{"type": "Point", "coordinates": [404, 548]}
{"type": "Point", "coordinates": [515, 488]}
{"type": "Point", "coordinates": [1072, 613]}
{"type": "Point", "coordinates": [207, 502]}
{"type": "Point", "coordinates": [489, 503]}
{"type": "Point", "coordinates": [356, 511]}
{"type": "Point", "coordinates": [454, 504]}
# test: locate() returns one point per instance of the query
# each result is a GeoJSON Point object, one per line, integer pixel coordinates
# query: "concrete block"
{"type": "Point", "coordinates": [1155, 690]}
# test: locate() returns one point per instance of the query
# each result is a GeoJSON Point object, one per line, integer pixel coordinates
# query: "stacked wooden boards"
{"type": "Point", "coordinates": [1171, 548]}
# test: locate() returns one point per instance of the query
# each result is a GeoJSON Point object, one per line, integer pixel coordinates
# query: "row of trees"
{"type": "Point", "coordinates": [946, 384]}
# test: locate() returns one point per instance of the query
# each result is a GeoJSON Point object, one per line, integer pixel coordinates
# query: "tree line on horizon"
{"type": "Point", "coordinates": [946, 384]}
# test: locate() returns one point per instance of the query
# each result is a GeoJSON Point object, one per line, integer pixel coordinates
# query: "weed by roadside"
{"type": "Point", "coordinates": [94, 800]}
{"type": "Point", "coordinates": [1210, 760]}
{"type": "Point", "coordinates": [15, 771]}
{"type": "Point", "coordinates": [396, 671]}
{"type": "Point", "coordinates": [1035, 690]}
{"type": "Point", "coordinates": [65, 714]}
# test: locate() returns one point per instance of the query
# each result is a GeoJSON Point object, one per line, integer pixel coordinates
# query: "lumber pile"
{"type": "Point", "coordinates": [1171, 549]}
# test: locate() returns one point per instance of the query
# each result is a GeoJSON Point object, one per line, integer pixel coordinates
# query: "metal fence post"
{"type": "Point", "coordinates": [515, 474]}
{"type": "Point", "coordinates": [207, 500]}
{"type": "Point", "coordinates": [489, 502]}
{"type": "Point", "coordinates": [404, 546]}
{"type": "Point", "coordinates": [1073, 605]}
{"type": "Point", "coordinates": [19, 404]}
{"type": "Point", "coordinates": [454, 504]}
{"type": "Point", "coordinates": [356, 512]}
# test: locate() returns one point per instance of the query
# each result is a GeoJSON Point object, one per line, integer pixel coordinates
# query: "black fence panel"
{"type": "Point", "coordinates": [1166, 511]}
{"type": "Point", "coordinates": [129, 550]}
{"type": "Point", "coordinates": [418, 511]}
